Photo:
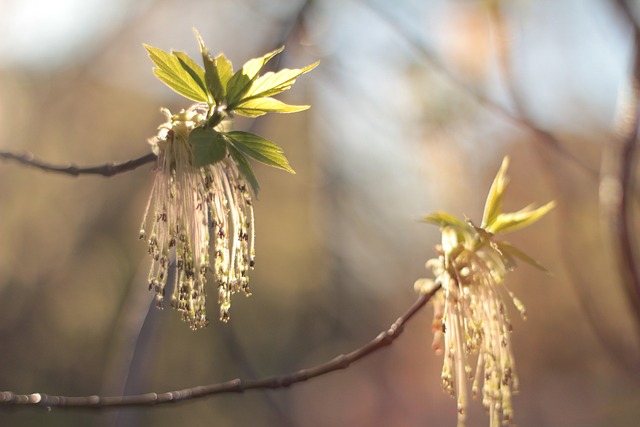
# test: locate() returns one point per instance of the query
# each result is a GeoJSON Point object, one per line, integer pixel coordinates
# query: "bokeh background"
{"type": "Point", "coordinates": [413, 106]}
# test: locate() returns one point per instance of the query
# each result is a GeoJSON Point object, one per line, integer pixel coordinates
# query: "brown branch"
{"type": "Point", "coordinates": [625, 9]}
{"type": "Point", "coordinates": [621, 211]}
{"type": "Point", "coordinates": [107, 170]}
{"type": "Point", "coordinates": [343, 361]}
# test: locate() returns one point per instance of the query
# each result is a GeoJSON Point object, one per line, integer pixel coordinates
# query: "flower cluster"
{"type": "Point", "coordinates": [200, 205]}
{"type": "Point", "coordinates": [191, 208]}
{"type": "Point", "coordinates": [470, 314]}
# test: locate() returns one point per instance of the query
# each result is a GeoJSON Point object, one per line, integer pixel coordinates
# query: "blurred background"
{"type": "Point", "coordinates": [414, 105]}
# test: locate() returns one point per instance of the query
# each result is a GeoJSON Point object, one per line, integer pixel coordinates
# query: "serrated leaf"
{"type": "Point", "coordinates": [245, 169]}
{"type": "Point", "coordinates": [195, 71]}
{"type": "Point", "coordinates": [211, 77]}
{"type": "Point", "coordinates": [260, 106]}
{"type": "Point", "coordinates": [512, 251]}
{"type": "Point", "coordinates": [259, 149]}
{"type": "Point", "coordinates": [493, 206]}
{"type": "Point", "coordinates": [209, 146]}
{"type": "Point", "coordinates": [515, 220]}
{"type": "Point", "coordinates": [171, 72]}
{"type": "Point", "coordinates": [240, 83]}
{"type": "Point", "coordinates": [273, 83]}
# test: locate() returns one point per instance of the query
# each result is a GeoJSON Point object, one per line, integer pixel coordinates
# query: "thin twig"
{"type": "Point", "coordinates": [343, 361]}
{"type": "Point", "coordinates": [106, 170]}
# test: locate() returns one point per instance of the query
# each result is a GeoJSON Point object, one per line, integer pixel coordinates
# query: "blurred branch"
{"type": "Point", "coordinates": [290, 27]}
{"type": "Point", "coordinates": [575, 275]}
{"type": "Point", "coordinates": [343, 361]}
{"type": "Point", "coordinates": [133, 344]}
{"type": "Point", "coordinates": [107, 170]}
{"type": "Point", "coordinates": [624, 7]}
{"type": "Point", "coordinates": [620, 208]}
{"type": "Point", "coordinates": [516, 118]}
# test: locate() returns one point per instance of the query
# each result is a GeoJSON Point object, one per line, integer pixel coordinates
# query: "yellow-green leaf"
{"type": "Point", "coordinates": [273, 83]}
{"type": "Point", "coordinates": [444, 219]}
{"type": "Point", "coordinates": [509, 250]}
{"type": "Point", "coordinates": [171, 72]}
{"type": "Point", "coordinates": [225, 69]}
{"type": "Point", "coordinates": [259, 149]}
{"type": "Point", "coordinates": [245, 169]}
{"type": "Point", "coordinates": [258, 106]}
{"type": "Point", "coordinates": [493, 206]}
{"type": "Point", "coordinates": [195, 71]}
{"type": "Point", "coordinates": [240, 83]}
{"type": "Point", "coordinates": [252, 67]}
{"type": "Point", "coordinates": [211, 77]}
{"type": "Point", "coordinates": [515, 220]}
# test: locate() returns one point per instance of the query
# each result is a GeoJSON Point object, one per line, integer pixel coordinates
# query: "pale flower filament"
{"type": "Point", "coordinates": [471, 316]}
{"type": "Point", "coordinates": [197, 211]}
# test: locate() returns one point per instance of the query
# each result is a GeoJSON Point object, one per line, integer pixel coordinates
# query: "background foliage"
{"type": "Point", "coordinates": [399, 126]}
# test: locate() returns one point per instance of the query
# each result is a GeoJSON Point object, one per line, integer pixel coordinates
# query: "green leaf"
{"type": "Point", "coordinates": [171, 72]}
{"type": "Point", "coordinates": [273, 83]}
{"type": "Point", "coordinates": [209, 146]}
{"type": "Point", "coordinates": [493, 206]}
{"type": "Point", "coordinates": [225, 69]}
{"type": "Point", "coordinates": [195, 71]}
{"type": "Point", "coordinates": [252, 67]}
{"type": "Point", "coordinates": [512, 251]}
{"type": "Point", "coordinates": [444, 219]}
{"type": "Point", "coordinates": [211, 77]}
{"type": "Point", "coordinates": [515, 220]}
{"type": "Point", "coordinates": [260, 149]}
{"type": "Point", "coordinates": [236, 88]}
{"type": "Point", "coordinates": [260, 106]}
{"type": "Point", "coordinates": [240, 83]}
{"type": "Point", "coordinates": [245, 169]}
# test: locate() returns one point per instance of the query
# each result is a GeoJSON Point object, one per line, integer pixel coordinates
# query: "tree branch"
{"type": "Point", "coordinates": [106, 170]}
{"type": "Point", "coordinates": [343, 361]}
{"type": "Point", "coordinates": [620, 211]}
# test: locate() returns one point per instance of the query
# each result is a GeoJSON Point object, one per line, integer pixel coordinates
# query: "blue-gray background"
{"type": "Point", "coordinates": [408, 116]}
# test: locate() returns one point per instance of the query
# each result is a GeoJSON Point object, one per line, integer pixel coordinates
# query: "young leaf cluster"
{"type": "Point", "coordinates": [494, 221]}
{"type": "Point", "coordinates": [227, 92]}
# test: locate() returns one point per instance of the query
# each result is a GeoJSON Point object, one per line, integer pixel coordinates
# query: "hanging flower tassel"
{"type": "Point", "coordinates": [200, 215]}
{"type": "Point", "coordinates": [190, 209]}
{"type": "Point", "coordinates": [470, 313]}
